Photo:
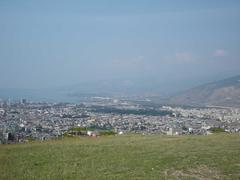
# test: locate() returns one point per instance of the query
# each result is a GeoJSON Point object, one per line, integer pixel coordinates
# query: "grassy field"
{"type": "Point", "coordinates": [124, 157]}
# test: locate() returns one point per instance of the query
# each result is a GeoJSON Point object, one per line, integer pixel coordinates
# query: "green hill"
{"type": "Point", "coordinates": [124, 157]}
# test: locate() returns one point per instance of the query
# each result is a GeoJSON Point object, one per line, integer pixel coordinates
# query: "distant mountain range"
{"type": "Point", "coordinates": [220, 93]}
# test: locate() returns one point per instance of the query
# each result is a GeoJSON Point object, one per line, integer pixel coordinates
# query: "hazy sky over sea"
{"type": "Point", "coordinates": [51, 43]}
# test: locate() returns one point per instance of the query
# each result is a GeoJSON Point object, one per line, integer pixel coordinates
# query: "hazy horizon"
{"type": "Point", "coordinates": [169, 45]}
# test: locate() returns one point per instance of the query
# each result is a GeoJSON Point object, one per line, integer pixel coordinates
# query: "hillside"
{"type": "Point", "coordinates": [221, 93]}
{"type": "Point", "coordinates": [124, 157]}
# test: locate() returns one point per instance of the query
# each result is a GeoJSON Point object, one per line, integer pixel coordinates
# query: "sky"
{"type": "Point", "coordinates": [55, 43]}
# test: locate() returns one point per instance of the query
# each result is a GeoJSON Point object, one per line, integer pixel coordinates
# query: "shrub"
{"type": "Point", "coordinates": [106, 133]}
{"type": "Point", "coordinates": [216, 130]}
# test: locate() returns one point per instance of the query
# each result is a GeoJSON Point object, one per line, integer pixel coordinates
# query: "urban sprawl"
{"type": "Point", "coordinates": [24, 121]}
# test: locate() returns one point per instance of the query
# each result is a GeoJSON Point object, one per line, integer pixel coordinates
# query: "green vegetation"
{"type": "Point", "coordinates": [106, 133]}
{"type": "Point", "coordinates": [217, 130]}
{"type": "Point", "coordinates": [79, 129]}
{"type": "Point", "coordinates": [184, 128]}
{"type": "Point", "coordinates": [124, 157]}
{"type": "Point", "coordinates": [147, 112]}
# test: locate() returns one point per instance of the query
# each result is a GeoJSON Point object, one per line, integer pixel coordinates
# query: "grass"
{"type": "Point", "coordinates": [124, 157]}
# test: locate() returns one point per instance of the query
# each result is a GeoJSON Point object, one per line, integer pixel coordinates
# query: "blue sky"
{"type": "Point", "coordinates": [56, 43]}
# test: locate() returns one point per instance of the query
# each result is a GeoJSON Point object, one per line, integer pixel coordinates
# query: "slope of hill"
{"type": "Point", "coordinates": [124, 157]}
{"type": "Point", "coordinates": [220, 93]}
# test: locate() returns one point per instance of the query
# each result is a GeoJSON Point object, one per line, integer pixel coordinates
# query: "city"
{"type": "Point", "coordinates": [23, 121]}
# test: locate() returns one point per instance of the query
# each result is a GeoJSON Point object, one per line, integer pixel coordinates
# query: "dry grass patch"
{"type": "Point", "coordinates": [201, 172]}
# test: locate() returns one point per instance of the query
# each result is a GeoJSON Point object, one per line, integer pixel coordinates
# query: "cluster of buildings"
{"type": "Point", "coordinates": [23, 121]}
